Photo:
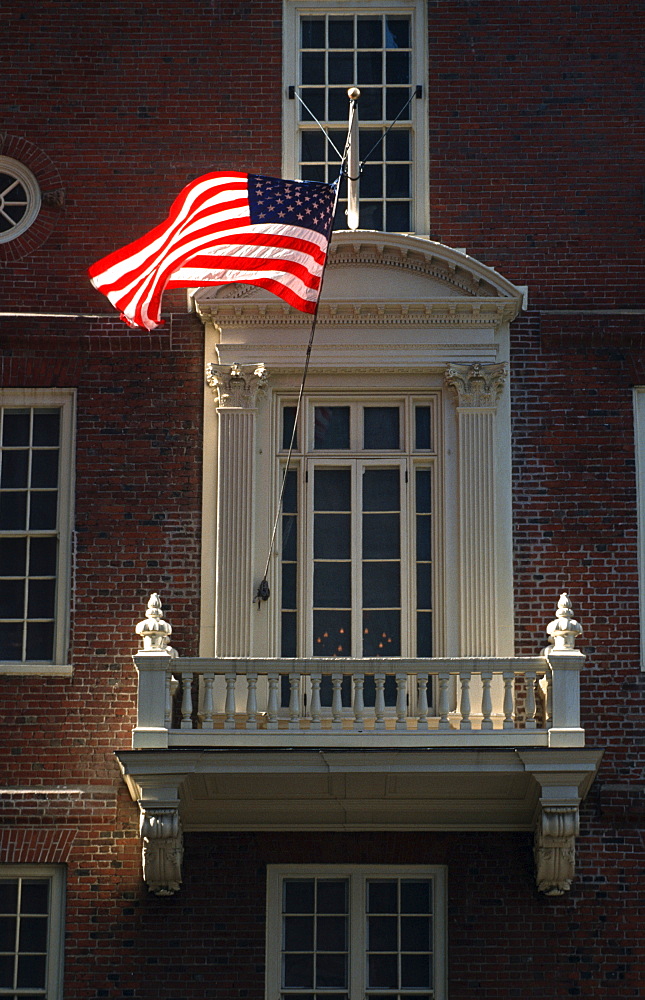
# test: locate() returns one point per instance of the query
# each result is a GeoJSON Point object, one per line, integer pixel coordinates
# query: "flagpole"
{"type": "Point", "coordinates": [350, 156]}
{"type": "Point", "coordinates": [353, 164]}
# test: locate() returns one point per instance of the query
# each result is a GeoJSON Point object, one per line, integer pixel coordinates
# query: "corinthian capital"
{"type": "Point", "coordinates": [237, 386]}
{"type": "Point", "coordinates": [476, 385]}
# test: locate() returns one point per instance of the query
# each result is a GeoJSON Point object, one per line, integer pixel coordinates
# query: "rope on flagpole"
{"type": "Point", "coordinates": [264, 592]}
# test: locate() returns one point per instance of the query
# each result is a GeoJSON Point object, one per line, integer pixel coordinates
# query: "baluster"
{"type": "Point", "coordinates": [464, 705]}
{"type": "Point", "coordinates": [531, 708]}
{"type": "Point", "coordinates": [251, 701]}
{"type": "Point", "coordinates": [272, 702]}
{"type": "Point", "coordinates": [548, 700]}
{"type": "Point", "coordinates": [187, 701]}
{"type": "Point", "coordinates": [294, 701]}
{"type": "Point", "coordinates": [207, 717]}
{"type": "Point", "coordinates": [359, 704]}
{"type": "Point", "coordinates": [509, 690]}
{"type": "Point", "coordinates": [337, 701]}
{"type": "Point", "coordinates": [487, 701]}
{"type": "Point", "coordinates": [379, 702]}
{"type": "Point", "coordinates": [401, 701]}
{"type": "Point", "coordinates": [316, 710]}
{"type": "Point", "coordinates": [168, 713]}
{"type": "Point", "coordinates": [444, 702]}
{"type": "Point", "coordinates": [422, 701]}
{"type": "Point", "coordinates": [229, 708]}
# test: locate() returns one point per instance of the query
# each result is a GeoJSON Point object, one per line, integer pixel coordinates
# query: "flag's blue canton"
{"type": "Point", "coordinates": [292, 203]}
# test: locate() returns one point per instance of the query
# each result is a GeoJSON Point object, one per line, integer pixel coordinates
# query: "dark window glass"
{"type": "Point", "coordinates": [397, 68]}
{"type": "Point", "coordinates": [40, 640]}
{"type": "Point", "coordinates": [381, 584]}
{"type": "Point", "coordinates": [422, 438]}
{"type": "Point", "coordinates": [299, 895]}
{"type": "Point", "coordinates": [331, 427]}
{"type": "Point", "coordinates": [424, 633]}
{"type": "Point", "coordinates": [315, 101]}
{"type": "Point", "coordinates": [13, 556]}
{"type": "Point", "coordinates": [332, 633]}
{"type": "Point", "coordinates": [44, 468]}
{"type": "Point", "coordinates": [331, 971]}
{"type": "Point", "coordinates": [332, 896]}
{"type": "Point", "coordinates": [332, 536]}
{"type": "Point", "coordinates": [381, 427]}
{"type": "Point", "coordinates": [369, 68]}
{"type": "Point", "coordinates": [298, 933]}
{"type": "Point", "coordinates": [332, 489]}
{"type": "Point", "coordinates": [398, 217]}
{"type": "Point", "coordinates": [416, 896]}
{"type": "Point", "coordinates": [313, 32]}
{"type": "Point", "coordinates": [382, 633]}
{"type": "Point", "coordinates": [13, 511]}
{"type": "Point", "coordinates": [397, 181]}
{"type": "Point", "coordinates": [371, 104]}
{"type": "Point", "coordinates": [341, 33]}
{"type": "Point", "coordinates": [396, 99]}
{"type": "Point", "coordinates": [46, 428]}
{"type": "Point", "coordinates": [15, 470]}
{"type": "Point", "coordinates": [382, 896]}
{"type": "Point", "coordinates": [381, 490]}
{"type": "Point", "coordinates": [397, 145]}
{"type": "Point", "coordinates": [42, 510]}
{"type": "Point", "coordinates": [15, 428]}
{"type": "Point", "coordinates": [370, 33]}
{"type": "Point", "coordinates": [12, 599]}
{"type": "Point", "coordinates": [42, 556]}
{"type": "Point", "coordinates": [313, 67]}
{"type": "Point", "coordinates": [381, 536]}
{"type": "Point", "coordinates": [10, 640]}
{"type": "Point", "coordinates": [397, 33]}
{"type": "Point", "coordinates": [288, 421]}
{"type": "Point", "coordinates": [340, 69]}
{"type": "Point", "coordinates": [7, 933]}
{"type": "Point", "coordinates": [313, 148]}
{"type": "Point", "coordinates": [332, 584]}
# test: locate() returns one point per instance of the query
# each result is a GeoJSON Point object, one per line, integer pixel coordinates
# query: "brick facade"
{"type": "Point", "coordinates": [536, 149]}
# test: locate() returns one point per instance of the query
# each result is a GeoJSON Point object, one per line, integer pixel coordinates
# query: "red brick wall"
{"type": "Point", "coordinates": [536, 170]}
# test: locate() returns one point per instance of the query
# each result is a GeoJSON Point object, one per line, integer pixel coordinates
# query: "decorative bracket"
{"type": "Point", "coordinates": [162, 850]}
{"type": "Point", "coordinates": [237, 386]}
{"type": "Point", "coordinates": [555, 849]}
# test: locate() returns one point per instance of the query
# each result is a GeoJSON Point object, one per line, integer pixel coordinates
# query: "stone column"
{"type": "Point", "coordinates": [236, 387]}
{"type": "Point", "coordinates": [477, 389]}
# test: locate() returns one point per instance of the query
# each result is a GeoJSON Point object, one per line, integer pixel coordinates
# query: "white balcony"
{"type": "Point", "coordinates": [359, 744]}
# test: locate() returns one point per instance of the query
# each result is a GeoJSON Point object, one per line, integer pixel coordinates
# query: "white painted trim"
{"type": "Point", "coordinates": [416, 9]}
{"type": "Point", "coordinates": [65, 399]}
{"type": "Point", "coordinates": [638, 394]}
{"type": "Point", "coordinates": [358, 876]}
{"type": "Point", "coordinates": [32, 190]}
{"type": "Point", "coordinates": [56, 928]}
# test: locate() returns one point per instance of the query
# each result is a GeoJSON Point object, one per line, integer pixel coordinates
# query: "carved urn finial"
{"type": "Point", "coordinates": [153, 629]}
{"type": "Point", "coordinates": [564, 629]}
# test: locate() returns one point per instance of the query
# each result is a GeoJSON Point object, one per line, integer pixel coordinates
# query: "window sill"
{"type": "Point", "coordinates": [15, 669]}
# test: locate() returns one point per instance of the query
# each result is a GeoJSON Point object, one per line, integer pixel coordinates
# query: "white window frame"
{"type": "Point", "coordinates": [25, 177]}
{"type": "Point", "coordinates": [407, 459]}
{"type": "Point", "coordinates": [358, 876]}
{"type": "Point", "coordinates": [65, 401]}
{"type": "Point", "coordinates": [638, 394]}
{"type": "Point", "coordinates": [293, 11]}
{"type": "Point", "coordinates": [55, 874]}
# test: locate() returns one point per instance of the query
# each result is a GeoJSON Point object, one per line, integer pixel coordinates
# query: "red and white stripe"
{"type": "Point", "coordinates": [208, 239]}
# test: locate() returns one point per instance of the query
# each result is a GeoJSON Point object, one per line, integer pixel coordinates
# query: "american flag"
{"type": "Point", "coordinates": [225, 227]}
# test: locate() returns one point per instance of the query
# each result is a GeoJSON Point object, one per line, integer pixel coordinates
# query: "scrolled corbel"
{"type": "Point", "coordinates": [555, 849]}
{"type": "Point", "coordinates": [162, 849]}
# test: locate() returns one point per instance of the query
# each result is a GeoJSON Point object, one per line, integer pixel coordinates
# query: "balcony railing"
{"type": "Point", "coordinates": [439, 702]}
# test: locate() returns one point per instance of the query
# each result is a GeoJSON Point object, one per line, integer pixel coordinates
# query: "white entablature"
{"type": "Point", "coordinates": [410, 300]}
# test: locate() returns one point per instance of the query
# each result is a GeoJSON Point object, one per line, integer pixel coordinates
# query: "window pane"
{"type": "Point", "coordinates": [397, 67]}
{"type": "Point", "coordinates": [382, 934]}
{"type": "Point", "coordinates": [298, 896]}
{"type": "Point", "coordinates": [397, 144]}
{"type": "Point", "coordinates": [288, 421]}
{"type": "Point", "coordinates": [381, 584]}
{"type": "Point", "coordinates": [40, 640]}
{"type": "Point", "coordinates": [397, 33]}
{"type": "Point", "coordinates": [15, 428]}
{"type": "Point", "coordinates": [33, 934]}
{"type": "Point", "coordinates": [416, 896]}
{"type": "Point", "coordinates": [46, 427]}
{"type": "Point", "coordinates": [331, 971]}
{"type": "Point", "coordinates": [6, 971]}
{"type": "Point", "coordinates": [331, 933]}
{"type": "Point", "coordinates": [371, 104]}
{"type": "Point", "coordinates": [382, 971]}
{"type": "Point", "coordinates": [332, 489]}
{"type": "Point", "coordinates": [313, 33]}
{"type": "Point", "coordinates": [397, 182]}
{"type": "Point", "coordinates": [424, 633]}
{"type": "Point", "coordinates": [415, 933]}
{"type": "Point", "coordinates": [332, 896]}
{"type": "Point", "coordinates": [331, 427]}
{"type": "Point", "coordinates": [381, 427]}
{"type": "Point", "coordinates": [415, 970]}
{"type": "Point", "coordinates": [315, 101]}
{"type": "Point", "coordinates": [423, 491]}
{"type": "Point", "coordinates": [42, 556]}
{"type": "Point", "coordinates": [398, 217]}
{"type": "Point", "coordinates": [15, 469]}
{"type": "Point", "coordinates": [7, 933]}
{"type": "Point", "coordinates": [313, 67]}
{"type": "Point", "coordinates": [288, 641]}
{"type": "Point", "coordinates": [369, 68]}
{"type": "Point", "coordinates": [298, 933]}
{"type": "Point", "coordinates": [381, 896]}
{"type": "Point", "coordinates": [289, 537]}
{"type": "Point", "coordinates": [12, 598]}
{"type": "Point", "coordinates": [340, 69]}
{"type": "Point", "coordinates": [370, 33]}
{"type": "Point", "coordinates": [371, 216]}
{"type": "Point", "coordinates": [8, 895]}
{"type": "Point", "coordinates": [11, 640]}
{"type": "Point", "coordinates": [288, 586]}
{"type": "Point", "coordinates": [422, 427]}
{"type": "Point", "coordinates": [341, 32]}
{"type": "Point", "coordinates": [42, 510]}
{"type": "Point", "coordinates": [13, 511]}
{"type": "Point", "coordinates": [13, 556]}
{"type": "Point", "coordinates": [372, 181]}
{"type": "Point", "coordinates": [298, 970]}
{"type": "Point", "coordinates": [382, 633]}
{"type": "Point", "coordinates": [313, 148]}
{"type": "Point", "coordinates": [332, 584]}
{"type": "Point", "coordinates": [381, 536]}
{"type": "Point", "coordinates": [44, 468]}
{"type": "Point", "coordinates": [332, 536]}
{"type": "Point", "coordinates": [381, 490]}
{"type": "Point", "coordinates": [332, 633]}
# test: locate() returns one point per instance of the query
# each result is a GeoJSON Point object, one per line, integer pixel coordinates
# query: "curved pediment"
{"type": "Point", "coordinates": [372, 277]}
{"type": "Point", "coordinates": [420, 303]}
